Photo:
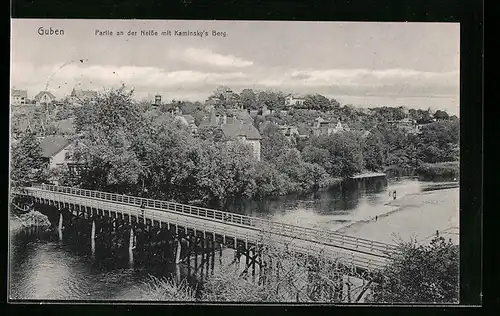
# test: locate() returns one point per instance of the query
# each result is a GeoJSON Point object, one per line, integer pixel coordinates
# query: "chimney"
{"type": "Point", "coordinates": [224, 119]}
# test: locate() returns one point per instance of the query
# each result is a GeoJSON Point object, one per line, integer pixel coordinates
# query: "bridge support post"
{"type": "Point", "coordinates": [60, 225]}
{"type": "Point", "coordinates": [92, 237]}
{"type": "Point", "coordinates": [178, 251]}
{"type": "Point", "coordinates": [194, 248]}
{"type": "Point", "coordinates": [254, 257]}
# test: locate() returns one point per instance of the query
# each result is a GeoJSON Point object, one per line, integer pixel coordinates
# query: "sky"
{"type": "Point", "coordinates": [359, 63]}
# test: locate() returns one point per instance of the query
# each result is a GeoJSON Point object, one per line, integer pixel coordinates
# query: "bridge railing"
{"type": "Point", "coordinates": [235, 231]}
{"type": "Point", "coordinates": [299, 232]}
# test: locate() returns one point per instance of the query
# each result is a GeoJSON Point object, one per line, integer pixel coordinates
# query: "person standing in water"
{"type": "Point", "coordinates": [394, 195]}
{"type": "Point", "coordinates": [376, 217]}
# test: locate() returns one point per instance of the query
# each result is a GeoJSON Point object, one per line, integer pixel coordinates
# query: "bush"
{"type": "Point", "coordinates": [420, 274]}
{"type": "Point", "coordinates": [440, 170]}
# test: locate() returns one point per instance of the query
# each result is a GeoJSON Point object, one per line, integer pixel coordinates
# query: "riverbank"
{"type": "Point", "coordinates": [447, 170]}
{"type": "Point", "coordinates": [14, 224]}
{"type": "Point", "coordinates": [413, 216]}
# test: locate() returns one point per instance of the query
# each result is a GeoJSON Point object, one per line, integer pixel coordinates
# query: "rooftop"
{"type": "Point", "coordinates": [19, 93]}
{"type": "Point", "coordinates": [51, 145]}
{"type": "Point", "coordinates": [240, 129]}
{"type": "Point", "coordinates": [295, 96]}
{"type": "Point", "coordinates": [41, 93]}
{"type": "Point", "coordinates": [83, 93]}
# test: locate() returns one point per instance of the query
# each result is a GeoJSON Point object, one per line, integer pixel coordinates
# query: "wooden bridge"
{"type": "Point", "coordinates": [368, 255]}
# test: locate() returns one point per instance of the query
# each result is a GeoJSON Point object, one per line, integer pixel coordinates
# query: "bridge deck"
{"type": "Point", "coordinates": [362, 253]}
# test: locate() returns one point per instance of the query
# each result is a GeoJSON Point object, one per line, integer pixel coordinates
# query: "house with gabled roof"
{"type": "Point", "coordinates": [235, 124]}
{"type": "Point", "coordinates": [18, 97]}
{"type": "Point", "coordinates": [324, 127]}
{"type": "Point", "coordinates": [244, 132]}
{"type": "Point", "coordinates": [79, 96]}
{"type": "Point", "coordinates": [57, 151]}
{"type": "Point", "coordinates": [44, 97]}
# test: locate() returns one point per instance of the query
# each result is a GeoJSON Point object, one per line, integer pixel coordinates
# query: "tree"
{"type": "Point", "coordinates": [271, 99]}
{"type": "Point", "coordinates": [273, 143]}
{"type": "Point", "coordinates": [343, 158]}
{"type": "Point", "coordinates": [317, 102]}
{"type": "Point", "coordinates": [108, 130]}
{"type": "Point", "coordinates": [438, 141]}
{"type": "Point", "coordinates": [248, 99]}
{"type": "Point", "coordinates": [420, 274]}
{"type": "Point", "coordinates": [26, 162]}
{"type": "Point", "coordinates": [373, 152]}
{"type": "Point", "coordinates": [441, 115]}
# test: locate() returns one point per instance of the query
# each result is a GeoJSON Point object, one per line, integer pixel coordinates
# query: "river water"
{"type": "Point", "coordinates": [44, 267]}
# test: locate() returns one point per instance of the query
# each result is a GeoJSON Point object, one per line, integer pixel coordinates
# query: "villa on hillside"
{"type": "Point", "coordinates": [407, 125]}
{"type": "Point", "coordinates": [235, 125]}
{"type": "Point", "coordinates": [294, 100]}
{"type": "Point", "coordinates": [324, 127]}
{"type": "Point", "coordinates": [44, 97]}
{"type": "Point", "coordinates": [18, 97]}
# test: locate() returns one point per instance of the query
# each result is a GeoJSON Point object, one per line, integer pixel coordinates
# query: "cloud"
{"type": "Point", "coordinates": [60, 80]}
{"type": "Point", "coordinates": [207, 57]}
{"type": "Point", "coordinates": [367, 81]}
{"type": "Point", "coordinates": [185, 82]}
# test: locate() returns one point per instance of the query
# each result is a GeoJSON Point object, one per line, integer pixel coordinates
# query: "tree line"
{"type": "Point", "coordinates": [142, 150]}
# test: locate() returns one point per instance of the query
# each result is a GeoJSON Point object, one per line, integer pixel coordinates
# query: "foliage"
{"type": "Point", "coordinates": [317, 102]}
{"type": "Point", "coordinates": [273, 142]}
{"type": "Point", "coordinates": [167, 289]}
{"type": "Point", "coordinates": [339, 154]}
{"type": "Point", "coordinates": [287, 276]}
{"type": "Point", "coordinates": [439, 142]}
{"type": "Point", "coordinates": [421, 274]}
{"type": "Point", "coordinates": [440, 170]}
{"type": "Point", "coordinates": [248, 99]}
{"type": "Point", "coordinates": [273, 100]}
{"type": "Point", "coordinates": [108, 129]}
{"type": "Point", "coordinates": [27, 164]}
{"type": "Point", "coordinates": [373, 152]}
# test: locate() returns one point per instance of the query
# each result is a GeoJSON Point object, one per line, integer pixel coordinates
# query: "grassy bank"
{"type": "Point", "coordinates": [439, 170]}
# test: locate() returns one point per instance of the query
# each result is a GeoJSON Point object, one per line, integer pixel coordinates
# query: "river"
{"type": "Point", "coordinates": [44, 268]}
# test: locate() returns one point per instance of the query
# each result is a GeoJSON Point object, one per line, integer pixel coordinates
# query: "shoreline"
{"type": "Point", "coordinates": [413, 208]}
{"type": "Point", "coordinates": [15, 224]}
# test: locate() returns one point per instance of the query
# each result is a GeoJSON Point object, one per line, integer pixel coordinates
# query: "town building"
{"type": "Point", "coordinates": [324, 127]}
{"type": "Point", "coordinates": [294, 100]}
{"type": "Point", "coordinates": [407, 125]}
{"type": "Point", "coordinates": [57, 151]}
{"type": "Point", "coordinates": [289, 130]}
{"type": "Point", "coordinates": [245, 133]}
{"type": "Point", "coordinates": [18, 97]}
{"type": "Point", "coordinates": [80, 96]}
{"type": "Point", "coordinates": [235, 124]}
{"type": "Point", "coordinates": [44, 97]}
{"type": "Point", "coordinates": [304, 132]}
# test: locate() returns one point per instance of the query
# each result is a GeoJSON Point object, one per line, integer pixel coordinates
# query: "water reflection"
{"type": "Point", "coordinates": [352, 200]}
